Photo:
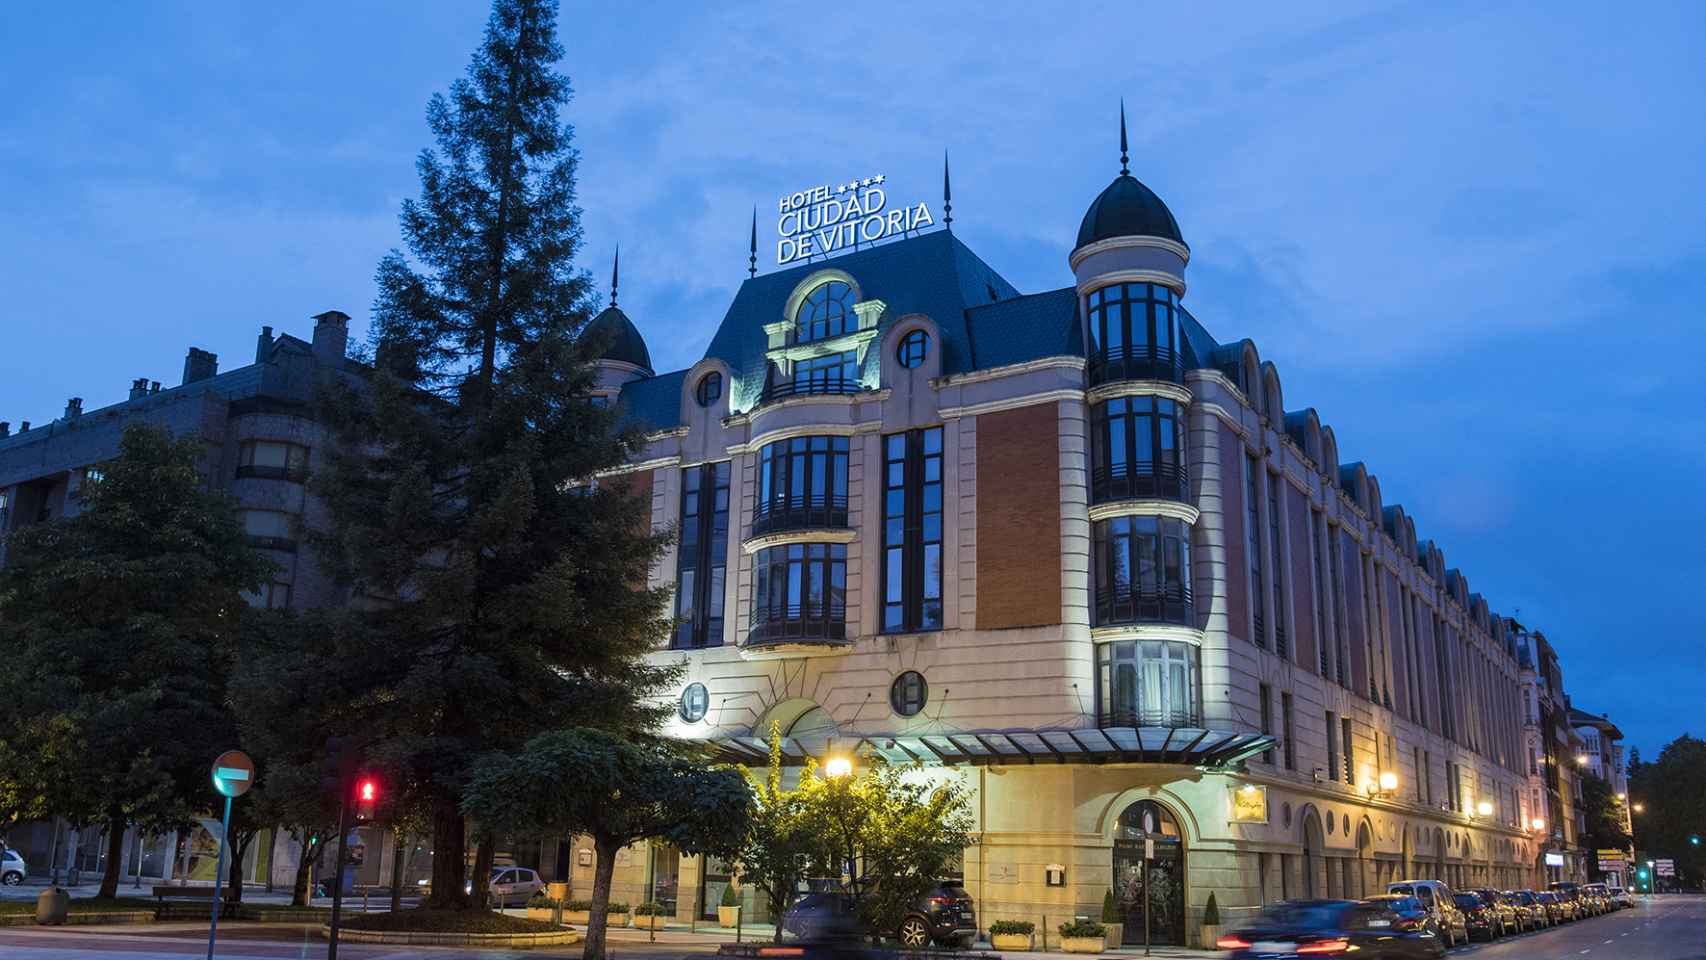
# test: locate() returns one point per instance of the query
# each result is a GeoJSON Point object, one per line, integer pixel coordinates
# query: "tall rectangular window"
{"type": "Point", "coordinates": [1276, 575]}
{"type": "Point", "coordinates": [1253, 523]}
{"type": "Point", "coordinates": [1321, 644]}
{"type": "Point", "coordinates": [1332, 745]}
{"type": "Point", "coordinates": [701, 560]}
{"type": "Point", "coordinates": [1267, 694]}
{"type": "Point", "coordinates": [912, 530]}
{"type": "Point", "coordinates": [1350, 752]}
{"type": "Point", "coordinates": [1286, 731]}
{"type": "Point", "coordinates": [1336, 587]}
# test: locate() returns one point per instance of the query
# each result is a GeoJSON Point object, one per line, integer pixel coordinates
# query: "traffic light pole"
{"type": "Point", "coordinates": [218, 875]}
{"type": "Point", "coordinates": [338, 877]}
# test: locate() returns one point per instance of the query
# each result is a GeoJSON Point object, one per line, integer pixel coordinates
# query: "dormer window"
{"type": "Point", "coordinates": [826, 312]}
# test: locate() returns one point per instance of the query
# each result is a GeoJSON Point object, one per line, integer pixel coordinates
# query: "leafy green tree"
{"type": "Point", "coordinates": [500, 597]}
{"type": "Point", "coordinates": [1672, 792]}
{"type": "Point", "coordinates": [890, 830]}
{"type": "Point", "coordinates": [780, 847]}
{"type": "Point", "coordinates": [1602, 817]}
{"type": "Point", "coordinates": [119, 623]}
{"type": "Point", "coordinates": [615, 790]}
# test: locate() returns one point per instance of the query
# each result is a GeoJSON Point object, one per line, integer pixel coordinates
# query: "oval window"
{"type": "Point", "coordinates": [908, 693]}
{"type": "Point", "coordinates": [694, 702]}
{"type": "Point", "coordinates": [710, 389]}
{"type": "Point", "coordinates": [914, 347]}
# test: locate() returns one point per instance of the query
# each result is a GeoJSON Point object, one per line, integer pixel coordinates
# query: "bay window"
{"type": "Point", "coordinates": [1148, 683]}
{"type": "Point", "coordinates": [1134, 333]}
{"type": "Point", "coordinates": [799, 592]}
{"type": "Point", "coordinates": [1138, 450]}
{"type": "Point", "coordinates": [802, 482]}
{"type": "Point", "coordinates": [1143, 571]}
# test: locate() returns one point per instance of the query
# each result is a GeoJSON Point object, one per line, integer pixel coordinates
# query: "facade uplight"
{"type": "Point", "coordinates": [838, 767]}
{"type": "Point", "coordinates": [1484, 808]}
{"type": "Point", "coordinates": [1538, 823]}
{"type": "Point", "coordinates": [1388, 782]}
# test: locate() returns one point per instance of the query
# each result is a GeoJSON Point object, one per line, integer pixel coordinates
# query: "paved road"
{"type": "Point", "coordinates": [1663, 928]}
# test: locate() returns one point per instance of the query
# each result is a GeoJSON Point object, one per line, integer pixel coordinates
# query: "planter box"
{"type": "Point", "coordinates": [614, 920]}
{"type": "Point", "coordinates": [579, 918]}
{"type": "Point", "coordinates": [655, 922]}
{"type": "Point", "coordinates": [1210, 934]}
{"type": "Point", "coordinates": [1114, 933]}
{"type": "Point", "coordinates": [728, 916]}
{"type": "Point", "coordinates": [546, 914]}
{"type": "Point", "coordinates": [1084, 944]}
{"type": "Point", "coordinates": [1010, 941]}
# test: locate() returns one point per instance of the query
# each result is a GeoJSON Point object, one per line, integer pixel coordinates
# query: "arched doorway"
{"type": "Point", "coordinates": [1365, 860]}
{"type": "Point", "coordinates": [1314, 863]}
{"type": "Point", "coordinates": [1147, 828]}
{"type": "Point", "coordinates": [1409, 864]}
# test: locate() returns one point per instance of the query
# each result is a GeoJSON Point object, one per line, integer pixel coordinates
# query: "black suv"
{"type": "Point", "coordinates": [943, 917]}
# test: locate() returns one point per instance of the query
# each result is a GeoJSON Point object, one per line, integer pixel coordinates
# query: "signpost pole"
{"type": "Point", "coordinates": [1147, 843]}
{"type": "Point", "coordinates": [218, 876]}
{"type": "Point", "coordinates": [338, 867]}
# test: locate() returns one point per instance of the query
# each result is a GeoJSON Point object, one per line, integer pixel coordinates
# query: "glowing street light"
{"type": "Point", "coordinates": [1484, 808]}
{"type": "Point", "coordinates": [838, 767]}
{"type": "Point", "coordinates": [1388, 782]}
{"type": "Point", "coordinates": [1638, 808]}
{"type": "Point", "coordinates": [1538, 823]}
{"type": "Point", "coordinates": [1582, 759]}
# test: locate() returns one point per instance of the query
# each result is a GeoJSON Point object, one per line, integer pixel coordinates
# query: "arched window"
{"type": "Point", "coordinates": [908, 693]}
{"type": "Point", "coordinates": [710, 389]}
{"type": "Point", "coordinates": [914, 347]}
{"type": "Point", "coordinates": [826, 312]}
{"type": "Point", "coordinates": [1134, 333]}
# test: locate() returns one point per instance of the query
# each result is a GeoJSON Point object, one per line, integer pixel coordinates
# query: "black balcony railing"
{"type": "Point", "coordinates": [281, 544]}
{"type": "Point", "coordinates": [1126, 717]}
{"type": "Point", "coordinates": [1142, 480]}
{"type": "Point", "coordinates": [293, 474]}
{"type": "Point", "coordinates": [1133, 604]}
{"type": "Point", "coordinates": [799, 513]}
{"type": "Point", "coordinates": [828, 625]}
{"type": "Point", "coordinates": [1136, 362]}
{"type": "Point", "coordinates": [816, 386]}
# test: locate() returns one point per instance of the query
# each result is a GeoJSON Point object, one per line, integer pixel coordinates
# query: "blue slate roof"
{"type": "Point", "coordinates": [1025, 328]}
{"type": "Point", "coordinates": [653, 403]}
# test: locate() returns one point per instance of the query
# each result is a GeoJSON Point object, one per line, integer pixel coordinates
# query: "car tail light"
{"type": "Point", "coordinates": [1323, 947]}
{"type": "Point", "coordinates": [943, 901]}
{"type": "Point", "coordinates": [1232, 943]}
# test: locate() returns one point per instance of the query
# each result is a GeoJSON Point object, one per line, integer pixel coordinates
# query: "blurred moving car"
{"type": "Point", "coordinates": [943, 917]}
{"type": "Point", "coordinates": [1329, 928]}
{"type": "Point", "coordinates": [12, 867]}
{"type": "Point", "coordinates": [1437, 899]}
{"type": "Point", "coordinates": [1527, 903]}
{"type": "Point", "coordinates": [1483, 918]}
{"type": "Point", "coordinates": [1406, 913]}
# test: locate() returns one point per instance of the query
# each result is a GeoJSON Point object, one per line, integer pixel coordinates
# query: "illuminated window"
{"type": "Point", "coordinates": [914, 347]}
{"type": "Point", "coordinates": [827, 312]}
{"type": "Point", "coordinates": [272, 459]}
{"type": "Point", "coordinates": [1147, 683]}
{"type": "Point", "coordinates": [710, 389]}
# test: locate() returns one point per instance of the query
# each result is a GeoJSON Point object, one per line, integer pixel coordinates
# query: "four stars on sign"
{"type": "Point", "coordinates": [856, 184]}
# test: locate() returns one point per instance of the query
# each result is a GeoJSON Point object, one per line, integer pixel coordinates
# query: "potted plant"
{"type": "Point", "coordinates": [1211, 927]}
{"type": "Point", "coordinates": [1011, 934]}
{"type": "Point", "coordinates": [578, 911]}
{"type": "Point", "coordinates": [541, 907]}
{"type": "Point", "coordinates": [616, 915]}
{"type": "Point", "coordinates": [728, 909]}
{"type": "Point", "coordinates": [1083, 936]}
{"type": "Point", "coordinates": [1112, 919]}
{"type": "Point", "coordinates": [649, 916]}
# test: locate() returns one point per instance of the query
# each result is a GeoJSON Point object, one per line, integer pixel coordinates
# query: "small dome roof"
{"type": "Point", "coordinates": [625, 342]}
{"type": "Point", "coordinates": [1127, 208]}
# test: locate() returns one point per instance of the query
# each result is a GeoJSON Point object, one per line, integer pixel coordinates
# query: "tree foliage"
{"type": "Point", "coordinates": [119, 622]}
{"type": "Point", "coordinates": [501, 599]}
{"type": "Point", "coordinates": [1672, 792]}
{"type": "Point", "coordinates": [1602, 816]}
{"type": "Point", "coordinates": [780, 848]}
{"type": "Point", "coordinates": [615, 790]}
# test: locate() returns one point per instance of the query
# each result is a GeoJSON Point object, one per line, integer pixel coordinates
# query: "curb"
{"type": "Point", "coordinates": [78, 919]}
{"type": "Point", "coordinates": [555, 938]}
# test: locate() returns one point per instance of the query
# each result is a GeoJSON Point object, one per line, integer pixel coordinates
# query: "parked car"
{"type": "Point", "coordinates": [510, 885]}
{"type": "Point", "coordinates": [1571, 894]}
{"type": "Point", "coordinates": [1407, 914]}
{"type": "Point", "coordinates": [1621, 896]}
{"type": "Point", "coordinates": [12, 868]}
{"type": "Point", "coordinates": [1556, 911]}
{"type": "Point", "coordinates": [1600, 894]}
{"type": "Point", "coordinates": [1509, 916]}
{"type": "Point", "coordinates": [1436, 897]}
{"type": "Point", "coordinates": [1483, 918]}
{"type": "Point", "coordinates": [1326, 927]}
{"type": "Point", "coordinates": [943, 917]}
{"type": "Point", "coordinates": [1527, 902]}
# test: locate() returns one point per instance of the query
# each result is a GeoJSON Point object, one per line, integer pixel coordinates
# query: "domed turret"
{"type": "Point", "coordinates": [624, 343]}
{"type": "Point", "coordinates": [1129, 236]}
{"type": "Point", "coordinates": [1127, 209]}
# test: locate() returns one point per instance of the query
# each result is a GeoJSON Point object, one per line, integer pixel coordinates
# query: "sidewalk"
{"type": "Point", "coordinates": [711, 936]}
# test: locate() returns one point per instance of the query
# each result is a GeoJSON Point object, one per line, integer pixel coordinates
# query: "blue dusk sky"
{"type": "Point", "coordinates": [1469, 235]}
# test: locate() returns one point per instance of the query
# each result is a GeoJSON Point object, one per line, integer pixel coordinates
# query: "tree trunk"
{"type": "Point", "coordinates": [234, 866]}
{"type": "Point", "coordinates": [448, 849]}
{"type": "Point", "coordinates": [602, 870]}
{"type": "Point", "coordinates": [399, 844]}
{"type": "Point", "coordinates": [311, 848]}
{"type": "Point", "coordinates": [115, 857]}
{"type": "Point", "coordinates": [482, 885]}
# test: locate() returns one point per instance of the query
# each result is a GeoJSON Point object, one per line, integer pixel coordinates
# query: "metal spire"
{"type": "Point", "coordinates": [947, 195]}
{"type": "Point", "coordinates": [752, 246]}
{"type": "Point", "coordinates": [1124, 160]}
{"type": "Point", "coordinates": [615, 274]}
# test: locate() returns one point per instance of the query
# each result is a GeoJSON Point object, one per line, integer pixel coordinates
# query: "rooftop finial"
{"type": "Point", "coordinates": [1124, 159]}
{"type": "Point", "coordinates": [752, 246]}
{"type": "Point", "coordinates": [615, 274]}
{"type": "Point", "coordinates": [947, 195]}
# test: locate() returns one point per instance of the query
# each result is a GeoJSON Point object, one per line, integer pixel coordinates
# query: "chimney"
{"type": "Point", "coordinates": [5, 429]}
{"type": "Point", "coordinates": [200, 365]}
{"type": "Point", "coordinates": [331, 336]}
{"type": "Point", "coordinates": [139, 388]}
{"type": "Point", "coordinates": [263, 345]}
{"type": "Point", "coordinates": [153, 386]}
{"type": "Point", "coordinates": [73, 408]}
{"type": "Point", "coordinates": [24, 427]}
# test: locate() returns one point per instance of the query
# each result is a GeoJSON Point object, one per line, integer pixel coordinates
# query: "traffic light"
{"type": "Point", "coordinates": [1694, 840]}
{"type": "Point", "coordinates": [366, 797]}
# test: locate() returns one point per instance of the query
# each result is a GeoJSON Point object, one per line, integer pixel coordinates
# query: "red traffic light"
{"type": "Point", "coordinates": [366, 798]}
{"type": "Point", "coordinates": [368, 791]}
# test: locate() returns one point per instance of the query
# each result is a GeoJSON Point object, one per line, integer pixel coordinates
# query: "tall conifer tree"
{"type": "Point", "coordinates": [506, 600]}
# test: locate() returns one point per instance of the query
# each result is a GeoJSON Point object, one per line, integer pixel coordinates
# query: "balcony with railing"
{"type": "Point", "coordinates": [1123, 604]}
{"type": "Point", "coordinates": [799, 513]}
{"type": "Point", "coordinates": [1160, 717]}
{"type": "Point", "coordinates": [799, 631]}
{"type": "Point", "coordinates": [1144, 480]}
{"type": "Point", "coordinates": [812, 387]}
{"type": "Point", "coordinates": [1142, 361]}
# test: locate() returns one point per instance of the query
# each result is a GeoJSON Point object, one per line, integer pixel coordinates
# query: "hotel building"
{"type": "Point", "coordinates": [1076, 552]}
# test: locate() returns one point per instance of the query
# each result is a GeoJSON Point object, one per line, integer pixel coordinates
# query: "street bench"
{"type": "Point", "coordinates": [166, 892]}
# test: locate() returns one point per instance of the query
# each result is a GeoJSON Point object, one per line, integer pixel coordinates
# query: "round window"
{"type": "Point", "coordinates": [914, 347]}
{"type": "Point", "coordinates": [694, 702]}
{"type": "Point", "coordinates": [908, 693]}
{"type": "Point", "coordinates": [710, 389]}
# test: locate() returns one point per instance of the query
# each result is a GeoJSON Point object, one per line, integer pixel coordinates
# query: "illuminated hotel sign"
{"type": "Point", "coordinates": [835, 217]}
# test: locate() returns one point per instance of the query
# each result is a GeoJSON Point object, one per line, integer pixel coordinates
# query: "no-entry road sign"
{"type": "Point", "coordinates": [233, 773]}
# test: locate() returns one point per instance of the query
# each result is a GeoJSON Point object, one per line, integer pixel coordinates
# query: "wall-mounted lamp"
{"type": "Point", "coordinates": [1538, 824]}
{"type": "Point", "coordinates": [1388, 782]}
{"type": "Point", "coordinates": [1484, 808]}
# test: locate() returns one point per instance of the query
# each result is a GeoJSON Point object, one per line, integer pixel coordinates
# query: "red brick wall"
{"type": "Point", "coordinates": [1018, 517]}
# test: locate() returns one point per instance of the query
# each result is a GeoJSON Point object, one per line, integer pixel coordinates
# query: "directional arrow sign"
{"type": "Point", "coordinates": [233, 773]}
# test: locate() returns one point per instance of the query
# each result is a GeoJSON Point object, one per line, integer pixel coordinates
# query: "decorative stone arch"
{"type": "Point", "coordinates": [1137, 823]}
{"type": "Point", "coordinates": [813, 280]}
{"type": "Point", "coordinates": [1314, 843]}
{"type": "Point", "coordinates": [1273, 402]}
{"type": "Point", "coordinates": [1367, 880]}
{"type": "Point", "coordinates": [1374, 502]}
{"type": "Point", "coordinates": [707, 417]}
{"type": "Point", "coordinates": [1329, 455]}
{"type": "Point", "coordinates": [1407, 852]}
{"type": "Point", "coordinates": [1251, 363]}
{"type": "Point", "coordinates": [1439, 854]}
{"type": "Point", "coordinates": [1108, 820]}
{"type": "Point", "coordinates": [800, 717]}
